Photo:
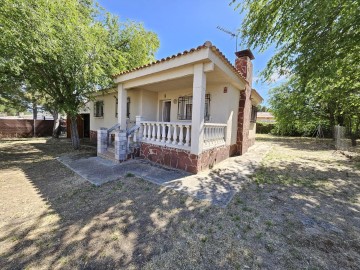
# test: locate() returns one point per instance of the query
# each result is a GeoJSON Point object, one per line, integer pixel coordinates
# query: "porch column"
{"type": "Point", "coordinates": [122, 102]}
{"type": "Point", "coordinates": [198, 109]}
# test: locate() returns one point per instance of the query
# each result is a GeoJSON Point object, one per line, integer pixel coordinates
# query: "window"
{"type": "Point", "coordinates": [99, 108]}
{"type": "Point", "coordinates": [253, 114]}
{"type": "Point", "coordinates": [185, 107]}
{"type": "Point", "coordinates": [127, 107]}
{"type": "Point", "coordinates": [116, 106]}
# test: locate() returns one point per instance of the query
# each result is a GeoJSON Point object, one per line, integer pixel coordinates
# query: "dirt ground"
{"type": "Point", "coordinates": [301, 211]}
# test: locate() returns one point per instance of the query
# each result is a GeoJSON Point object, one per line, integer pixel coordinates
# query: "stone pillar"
{"type": "Point", "coordinates": [138, 123]}
{"type": "Point", "coordinates": [120, 145]}
{"type": "Point", "coordinates": [122, 101]}
{"type": "Point", "coordinates": [198, 109]}
{"type": "Point", "coordinates": [242, 138]}
{"type": "Point", "coordinates": [102, 140]}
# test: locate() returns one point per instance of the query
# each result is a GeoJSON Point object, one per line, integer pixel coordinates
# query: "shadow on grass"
{"type": "Point", "coordinates": [295, 217]}
{"type": "Point", "coordinates": [119, 224]}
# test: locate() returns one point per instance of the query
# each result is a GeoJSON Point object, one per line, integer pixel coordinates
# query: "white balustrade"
{"type": "Point", "coordinates": [178, 134]}
{"type": "Point", "coordinates": [214, 135]}
{"type": "Point", "coordinates": [172, 134]}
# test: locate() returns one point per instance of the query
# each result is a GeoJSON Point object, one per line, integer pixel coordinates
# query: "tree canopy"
{"type": "Point", "coordinates": [317, 48]}
{"type": "Point", "coordinates": [67, 49]}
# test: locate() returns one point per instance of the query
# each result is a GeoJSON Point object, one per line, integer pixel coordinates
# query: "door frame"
{"type": "Point", "coordinates": [161, 111]}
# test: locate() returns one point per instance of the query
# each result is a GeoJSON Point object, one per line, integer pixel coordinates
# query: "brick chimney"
{"type": "Point", "coordinates": [244, 65]}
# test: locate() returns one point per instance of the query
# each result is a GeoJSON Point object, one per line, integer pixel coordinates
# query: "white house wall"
{"type": "Point", "coordinates": [223, 107]}
{"type": "Point", "coordinates": [109, 119]}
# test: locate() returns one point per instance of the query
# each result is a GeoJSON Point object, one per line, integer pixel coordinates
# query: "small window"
{"type": "Point", "coordinates": [127, 107]}
{"type": "Point", "coordinates": [99, 108]}
{"type": "Point", "coordinates": [185, 107]}
{"type": "Point", "coordinates": [116, 106]}
{"type": "Point", "coordinates": [253, 114]}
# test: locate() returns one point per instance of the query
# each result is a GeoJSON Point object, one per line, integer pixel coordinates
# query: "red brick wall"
{"type": "Point", "coordinates": [25, 128]}
{"type": "Point", "coordinates": [93, 135]}
{"type": "Point", "coordinates": [242, 139]}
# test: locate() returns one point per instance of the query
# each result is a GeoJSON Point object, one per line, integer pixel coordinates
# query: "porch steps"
{"type": "Point", "coordinates": [109, 154]}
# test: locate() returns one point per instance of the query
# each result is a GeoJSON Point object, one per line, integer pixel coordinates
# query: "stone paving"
{"type": "Point", "coordinates": [217, 185]}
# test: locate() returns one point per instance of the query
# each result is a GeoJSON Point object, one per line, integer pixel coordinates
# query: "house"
{"type": "Point", "coordinates": [188, 111]}
{"type": "Point", "coordinates": [265, 117]}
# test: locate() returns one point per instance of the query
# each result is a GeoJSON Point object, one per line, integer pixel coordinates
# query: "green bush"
{"type": "Point", "coordinates": [264, 128]}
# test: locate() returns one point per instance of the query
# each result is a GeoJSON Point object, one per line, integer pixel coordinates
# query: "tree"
{"type": "Point", "coordinates": [67, 50]}
{"type": "Point", "coordinates": [317, 41]}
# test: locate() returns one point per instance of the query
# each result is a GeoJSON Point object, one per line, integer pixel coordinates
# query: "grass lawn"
{"type": "Point", "coordinates": [301, 211]}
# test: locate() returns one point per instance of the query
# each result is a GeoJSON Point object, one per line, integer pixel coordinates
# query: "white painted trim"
{"type": "Point", "coordinates": [199, 91]}
{"type": "Point", "coordinates": [176, 62]}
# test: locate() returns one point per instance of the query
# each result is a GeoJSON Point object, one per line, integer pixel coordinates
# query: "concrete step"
{"type": "Point", "coordinates": [108, 155]}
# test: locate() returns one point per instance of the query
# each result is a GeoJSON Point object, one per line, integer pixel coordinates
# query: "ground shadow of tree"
{"type": "Point", "coordinates": [117, 225]}
{"type": "Point", "coordinates": [288, 217]}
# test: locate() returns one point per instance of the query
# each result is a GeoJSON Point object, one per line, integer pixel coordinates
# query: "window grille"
{"type": "Point", "coordinates": [253, 114]}
{"type": "Point", "coordinates": [99, 108]}
{"type": "Point", "coordinates": [116, 106]}
{"type": "Point", "coordinates": [127, 107]}
{"type": "Point", "coordinates": [185, 107]}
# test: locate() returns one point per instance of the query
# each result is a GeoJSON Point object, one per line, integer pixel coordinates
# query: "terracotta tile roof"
{"type": "Point", "coordinates": [207, 44]}
{"type": "Point", "coordinates": [265, 114]}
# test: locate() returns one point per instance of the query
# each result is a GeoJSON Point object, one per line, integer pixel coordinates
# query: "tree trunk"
{"type": "Point", "coordinates": [74, 133]}
{"type": "Point", "coordinates": [353, 140]}
{"type": "Point", "coordinates": [34, 108]}
{"type": "Point", "coordinates": [56, 126]}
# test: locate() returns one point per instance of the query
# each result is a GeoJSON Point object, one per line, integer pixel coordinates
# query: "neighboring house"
{"type": "Point", "coordinates": [188, 111]}
{"type": "Point", "coordinates": [266, 117]}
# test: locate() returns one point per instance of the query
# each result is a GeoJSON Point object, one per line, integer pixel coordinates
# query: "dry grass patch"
{"type": "Point", "coordinates": [301, 212]}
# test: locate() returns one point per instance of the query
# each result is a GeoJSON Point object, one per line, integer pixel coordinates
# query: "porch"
{"type": "Point", "coordinates": [182, 108]}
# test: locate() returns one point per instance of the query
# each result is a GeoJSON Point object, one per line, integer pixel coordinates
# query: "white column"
{"type": "Point", "coordinates": [153, 134]}
{"type": "Point", "coordinates": [197, 128]}
{"type": "Point", "coordinates": [122, 100]}
{"type": "Point", "coordinates": [158, 132]}
{"type": "Point", "coordinates": [181, 136]}
{"type": "Point", "coordinates": [163, 134]}
{"type": "Point", "coordinates": [169, 134]}
{"type": "Point", "coordinates": [187, 137]}
{"type": "Point", "coordinates": [175, 134]}
{"type": "Point", "coordinates": [144, 131]}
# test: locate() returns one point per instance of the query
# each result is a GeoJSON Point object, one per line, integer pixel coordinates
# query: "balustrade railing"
{"type": "Point", "coordinates": [173, 134]}
{"type": "Point", "coordinates": [214, 135]}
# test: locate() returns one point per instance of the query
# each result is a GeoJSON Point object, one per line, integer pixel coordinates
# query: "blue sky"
{"type": "Point", "coordinates": [184, 24]}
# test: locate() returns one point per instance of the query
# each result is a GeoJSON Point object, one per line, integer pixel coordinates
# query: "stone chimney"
{"type": "Point", "coordinates": [244, 65]}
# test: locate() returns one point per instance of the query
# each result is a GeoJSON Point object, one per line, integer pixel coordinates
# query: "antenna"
{"type": "Point", "coordinates": [231, 34]}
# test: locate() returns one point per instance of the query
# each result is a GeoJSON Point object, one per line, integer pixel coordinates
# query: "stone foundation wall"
{"type": "Point", "coordinates": [172, 157]}
{"type": "Point", "coordinates": [183, 159]}
{"type": "Point", "coordinates": [209, 158]}
{"type": "Point", "coordinates": [93, 135]}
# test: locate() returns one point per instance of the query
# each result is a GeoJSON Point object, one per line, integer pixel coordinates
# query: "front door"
{"type": "Point", "coordinates": [166, 107]}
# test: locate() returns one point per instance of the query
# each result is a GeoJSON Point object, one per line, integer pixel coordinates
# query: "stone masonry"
{"type": "Point", "coordinates": [244, 65]}
{"type": "Point", "coordinates": [93, 135]}
{"type": "Point", "coordinates": [183, 159]}
{"type": "Point", "coordinates": [102, 140]}
{"type": "Point", "coordinates": [121, 146]}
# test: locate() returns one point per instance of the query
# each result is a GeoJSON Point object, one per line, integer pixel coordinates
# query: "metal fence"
{"type": "Point", "coordinates": [25, 128]}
